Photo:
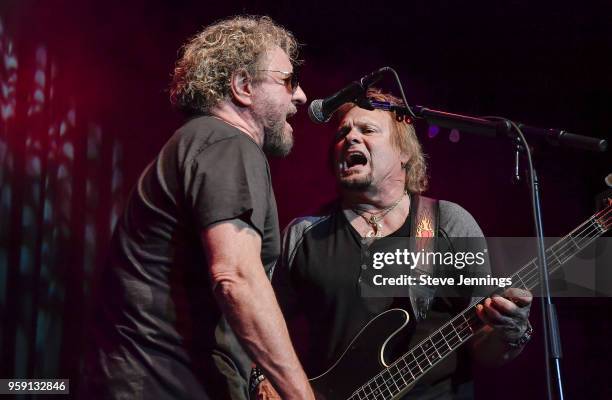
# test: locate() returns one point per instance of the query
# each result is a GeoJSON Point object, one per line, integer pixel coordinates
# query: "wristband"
{"type": "Point", "coordinates": [520, 342]}
{"type": "Point", "coordinates": [255, 379]}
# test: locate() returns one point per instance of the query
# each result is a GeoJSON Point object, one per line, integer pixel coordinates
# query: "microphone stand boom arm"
{"type": "Point", "coordinates": [489, 128]}
{"type": "Point", "coordinates": [500, 127]}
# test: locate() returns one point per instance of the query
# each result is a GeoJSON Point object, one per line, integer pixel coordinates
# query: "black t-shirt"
{"type": "Point", "coordinates": [321, 276]}
{"type": "Point", "coordinates": [158, 331]}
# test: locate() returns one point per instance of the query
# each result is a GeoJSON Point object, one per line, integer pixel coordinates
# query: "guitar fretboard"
{"type": "Point", "coordinates": [407, 369]}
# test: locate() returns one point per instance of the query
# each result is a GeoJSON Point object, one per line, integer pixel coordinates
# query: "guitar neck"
{"type": "Point", "coordinates": [411, 366]}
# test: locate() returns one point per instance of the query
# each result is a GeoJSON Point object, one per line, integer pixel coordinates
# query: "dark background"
{"type": "Point", "coordinates": [85, 108]}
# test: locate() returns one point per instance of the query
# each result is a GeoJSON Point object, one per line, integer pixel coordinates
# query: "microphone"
{"type": "Point", "coordinates": [321, 110]}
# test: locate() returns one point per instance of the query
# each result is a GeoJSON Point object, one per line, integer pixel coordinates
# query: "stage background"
{"type": "Point", "coordinates": [84, 108]}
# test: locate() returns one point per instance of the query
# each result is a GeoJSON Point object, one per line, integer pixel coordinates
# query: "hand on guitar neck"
{"type": "Point", "coordinates": [508, 313]}
{"type": "Point", "coordinates": [507, 327]}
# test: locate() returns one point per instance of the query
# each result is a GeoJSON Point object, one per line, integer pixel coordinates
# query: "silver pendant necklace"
{"type": "Point", "coordinates": [375, 220]}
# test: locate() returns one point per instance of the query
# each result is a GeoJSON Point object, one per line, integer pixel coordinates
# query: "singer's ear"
{"type": "Point", "coordinates": [241, 86]}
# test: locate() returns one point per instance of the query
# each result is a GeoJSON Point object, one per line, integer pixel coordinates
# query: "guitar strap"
{"type": "Point", "coordinates": [424, 229]}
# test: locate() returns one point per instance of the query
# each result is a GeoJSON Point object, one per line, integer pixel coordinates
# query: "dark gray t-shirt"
{"type": "Point", "coordinates": [158, 331]}
{"type": "Point", "coordinates": [318, 277]}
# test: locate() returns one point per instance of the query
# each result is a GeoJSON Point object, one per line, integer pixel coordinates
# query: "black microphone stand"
{"type": "Point", "coordinates": [492, 127]}
{"type": "Point", "coordinates": [501, 127]}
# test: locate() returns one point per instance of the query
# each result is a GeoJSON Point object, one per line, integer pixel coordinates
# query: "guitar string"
{"type": "Point", "coordinates": [462, 327]}
{"type": "Point", "coordinates": [560, 256]}
{"type": "Point", "coordinates": [566, 253]}
{"type": "Point", "coordinates": [590, 225]}
{"type": "Point", "coordinates": [530, 278]}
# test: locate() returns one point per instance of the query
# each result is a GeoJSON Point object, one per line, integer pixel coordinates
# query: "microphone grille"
{"type": "Point", "coordinates": [315, 111]}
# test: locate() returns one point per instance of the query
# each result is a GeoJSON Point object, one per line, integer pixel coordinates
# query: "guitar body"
{"type": "Point", "coordinates": [364, 357]}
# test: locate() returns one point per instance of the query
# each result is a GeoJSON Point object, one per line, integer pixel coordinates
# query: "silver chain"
{"type": "Point", "coordinates": [374, 219]}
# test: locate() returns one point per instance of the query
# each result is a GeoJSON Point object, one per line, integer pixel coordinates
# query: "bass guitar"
{"type": "Point", "coordinates": [362, 373]}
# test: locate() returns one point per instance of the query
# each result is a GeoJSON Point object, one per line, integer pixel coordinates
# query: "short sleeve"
{"type": "Point", "coordinates": [465, 236]}
{"type": "Point", "coordinates": [282, 272]}
{"type": "Point", "coordinates": [457, 222]}
{"type": "Point", "coordinates": [281, 278]}
{"type": "Point", "coordinates": [229, 179]}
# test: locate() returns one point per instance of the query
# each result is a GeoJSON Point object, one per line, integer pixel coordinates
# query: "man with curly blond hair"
{"type": "Point", "coordinates": [185, 305]}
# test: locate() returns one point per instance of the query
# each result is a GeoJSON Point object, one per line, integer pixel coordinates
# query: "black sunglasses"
{"type": "Point", "coordinates": [292, 79]}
